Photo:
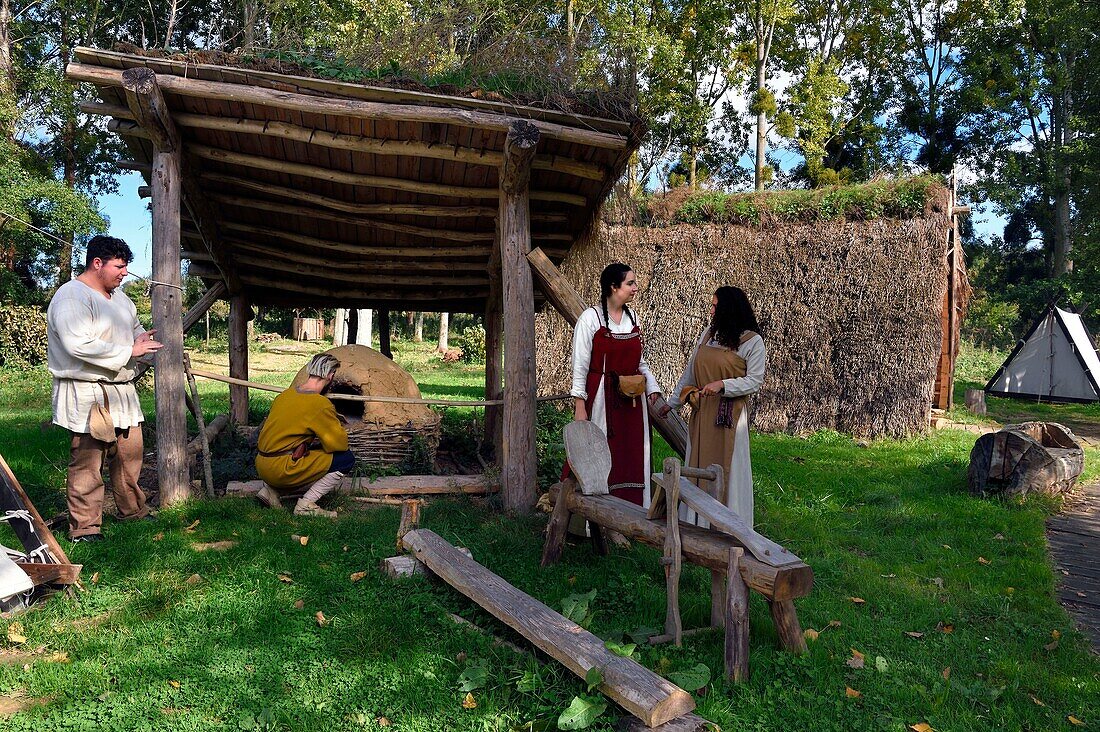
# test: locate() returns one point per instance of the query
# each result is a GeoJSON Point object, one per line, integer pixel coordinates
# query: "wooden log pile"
{"type": "Point", "coordinates": [1019, 459]}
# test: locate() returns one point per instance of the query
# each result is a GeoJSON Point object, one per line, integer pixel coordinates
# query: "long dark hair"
{"type": "Point", "coordinates": [612, 277]}
{"type": "Point", "coordinates": [733, 316]}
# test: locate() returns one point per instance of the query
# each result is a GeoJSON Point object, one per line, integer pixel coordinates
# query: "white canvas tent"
{"type": "Point", "coordinates": [1055, 362]}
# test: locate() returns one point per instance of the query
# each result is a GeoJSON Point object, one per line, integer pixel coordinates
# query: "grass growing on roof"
{"type": "Point", "coordinates": [946, 638]}
{"type": "Point", "coordinates": [899, 199]}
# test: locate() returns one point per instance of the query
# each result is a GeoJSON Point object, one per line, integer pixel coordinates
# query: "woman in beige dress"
{"type": "Point", "coordinates": [726, 366]}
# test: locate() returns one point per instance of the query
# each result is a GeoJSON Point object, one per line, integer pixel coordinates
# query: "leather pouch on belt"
{"type": "Point", "coordinates": [101, 425]}
{"type": "Point", "coordinates": [632, 387]}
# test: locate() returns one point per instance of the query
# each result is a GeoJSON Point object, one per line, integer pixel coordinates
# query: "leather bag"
{"type": "Point", "coordinates": [101, 425]}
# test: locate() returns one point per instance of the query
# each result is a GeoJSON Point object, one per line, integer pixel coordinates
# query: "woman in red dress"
{"type": "Point", "coordinates": [607, 350]}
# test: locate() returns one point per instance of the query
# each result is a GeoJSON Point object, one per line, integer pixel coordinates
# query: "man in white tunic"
{"type": "Point", "coordinates": [94, 341]}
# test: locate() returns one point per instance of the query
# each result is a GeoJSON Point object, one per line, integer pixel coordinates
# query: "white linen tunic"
{"type": "Point", "coordinates": [739, 471]}
{"type": "Point", "coordinates": [91, 338]}
{"type": "Point", "coordinates": [587, 324]}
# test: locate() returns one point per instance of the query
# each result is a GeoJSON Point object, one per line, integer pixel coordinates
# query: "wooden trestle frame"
{"type": "Point", "coordinates": [292, 191]}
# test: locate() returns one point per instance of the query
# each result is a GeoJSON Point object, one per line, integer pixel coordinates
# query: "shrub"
{"type": "Point", "coordinates": [22, 336]}
{"type": "Point", "coordinates": [472, 343]}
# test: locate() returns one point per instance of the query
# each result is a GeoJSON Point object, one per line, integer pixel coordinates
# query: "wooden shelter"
{"type": "Point", "coordinates": [305, 192]}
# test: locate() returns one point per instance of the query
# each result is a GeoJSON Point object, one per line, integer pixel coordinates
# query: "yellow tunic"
{"type": "Point", "coordinates": [295, 418]}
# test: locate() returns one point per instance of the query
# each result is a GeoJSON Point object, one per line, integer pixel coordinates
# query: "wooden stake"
{"type": "Point", "coordinates": [518, 460]}
{"type": "Point", "coordinates": [737, 620]}
{"type": "Point", "coordinates": [787, 626]}
{"type": "Point", "coordinates": [557, 526]}
{"type": "Point", "coordinates": [410, 518]}
{"type": "Point", "coordinates": [207, 471]}
{"type": "Point", "coordinates": [672, 557]}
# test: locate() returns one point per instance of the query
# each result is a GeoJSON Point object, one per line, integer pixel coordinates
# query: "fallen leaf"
{"type": "Point", "coordinates": [810, 634]}
{"type": "Point", "coordinates": [299, 604]}
{"type": "Point", "coordinates": [345, 549]}
{"type": "Point", "coordinates": [573, 580]}
{"type": "Point", "coordinates": [460, 657]}
{"type": "Point", "coordinates": [1051, 646]}
{"type": "Point", "coordinates": [914, 634]}
{"type": "Point", "coordinates": [1075, 721]}
{"type": "Point", "coordinates": [945, 627]}
{"type": "Point", "coordinates": [833, 624]}
{"type": "Point", "coordinates": [857, 600]}
{"type": "Point", "coordinates": [946, 546]}
{"type": "Point", "coordinates": [880, 664]}
{"type": "Point", "coordinates": [983, 560]}
{"type": "Point", "coordinates": [922, 727]}
{"type": "Point", "coordinates": [1036, 699]}
{"type": "Point", "coordinates": [158, 536]}
{"type": "Point", "coordinates": [469, 702]}
{"type": "Point", "coordinates": [946, 673]}
{"type": "Point", "coordinates": [384, 722]}
{"type": "Point", "coordinates": [856, 661]}
{"type": "Point", "coordinates": [285, 578]}
{"type": "Point", "coordinates": [1000, 537]}
{"type": "Point", "coordinates": [58, 657]}
{"type": "Point", "coordinates": [95, 578]}
{"type": "Point", "coordinates": [1055, 634]}
{"type": "Point", "coordinates": [217, 546]}
{"type": "Point", "coordinates": [356, 576]}
{"type": "Point", "coordinates": [193, 579]}
{"type": "Point", "coordinates": [303, 540]}
{"type": "Point", "coordinates": [193, 525]}
{"type": "Point", "coordinates": [15, 633]}
{"type": "Point", "coordinates": [174, 684]}
{"type": "Point", "coordinates": [888, 576]}
{"type": "Point", "coordinates": [321, 619]}
{"type": "Point", "coordinates": [1010, 590]}
{"type": "Point", "coordinates": [851, 693]}
{"type": "Point", "coordinates": [938, 582]}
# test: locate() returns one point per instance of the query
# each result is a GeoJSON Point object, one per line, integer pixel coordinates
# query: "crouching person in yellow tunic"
{"type": "Point", "coordinates": [302, 443]}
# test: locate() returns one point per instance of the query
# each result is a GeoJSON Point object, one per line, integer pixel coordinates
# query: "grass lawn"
{"type": "Point", "coordinates": [949, 600]}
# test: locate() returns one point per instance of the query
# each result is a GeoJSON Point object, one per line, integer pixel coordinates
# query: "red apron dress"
{"type": "Point", "coordinates": [613, 355]}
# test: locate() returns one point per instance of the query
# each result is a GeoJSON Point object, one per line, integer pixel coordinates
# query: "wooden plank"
{"type": "Point", "coordinates": [518, 460]}
{"type": "Point", "coordinates": [589, 456]}
{"type": "Point", "coordinates": [396, 485]}
{"type": "Point", "coordinates": [638, 690]}
{"type": "Point", "coordinates": [723, 519]}
{"type": "Point", "coordinates": [700, 546]}
{"type": "Point", "coordinates": [53, 574]}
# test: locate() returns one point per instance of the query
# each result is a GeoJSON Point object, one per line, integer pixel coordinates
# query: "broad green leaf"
{"type": "Point", "coordinates": [474, 677]}
{"type": "Point", "coordinates": [620, 649]}
{"type": "Point", "coordinates": [575, 607]}
{"type": "Point", "coordinates": [642, 634]}
{"type": "Point", "coordinates": [593, 678]}
{"type": "Point", "coordinates": [693, 679]}
{"type": "Point", "coordinates": [582, 712]}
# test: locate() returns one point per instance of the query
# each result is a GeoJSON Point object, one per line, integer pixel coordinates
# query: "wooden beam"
{"type": "Point", "coordinates": [347, 107]}
{"type": "Point", "coordinates": [144, 98]}
{"type": "Point", "coordinates": [106, 110]}
{"type": "Point", "coordinates": [51, 574]}
{"type": "Point", "coordinates": [240, 312]}
{"type": "Point", "coordinates": [473, 250]}
{"type": "Point", "coordinates": [396, 485]}
{"type": "Point", "coordinates": [366, 264]}
{"type": "Point", "coordinates": [703, 547]}
{"type": "Point", "coordinates": [366, 277]}
{"type": "Point", "coordinates": [517, 455]}
{"type": "Point", "coordinates": [366, 209]}
{"type": "Point", "coordinates": [567, 301]}
{"type": "Point", "coordinates": [415, 293]}
{"type": "Point", "coordinates": [494, 352]}
{"type": "Point", "coordinates": [635, 688]}
{"type": "Point", "coordinates": [167, 304]}
{"type": "Point", "coordinates": [367, 181]}
{"type": "Point", "coordinates": [127, 127]}
{"type": "Point", "coordinates": [213, 293]}
{"type": "Point", "coordinates": [380, 146]}
{"type": "Point", "coordinates": [143, 168]}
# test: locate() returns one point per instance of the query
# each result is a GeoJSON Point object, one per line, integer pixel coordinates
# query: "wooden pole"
{"type": "Point", "coordinates": [239, 315]}
{"type": "Point", "coordinates": [494, 339]}
{"type": "Point", "coordinates": [737, 619]}
{"type": "Point", "coordinates": [384, 333]}
{"type": "Point", "coordinates": [517, 454]}
{"type": "Point", "coordinates": [672, 558]}
{"type": "Point", "coordinates": [200, 421]}
{"type": "Point", "coordinates": [635, 688]}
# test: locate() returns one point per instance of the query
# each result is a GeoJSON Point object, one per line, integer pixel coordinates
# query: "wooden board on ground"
{"type": "Point", "coordinates": [395, 485]}
{"type": "Point", "coordinates": [725, 520]}
{"type": "Point", "coordinates": [651, 698]}
{"type": "Point", "coordinates": [589, 456]}
{"type": "Point", "coordinates": [35, 535]}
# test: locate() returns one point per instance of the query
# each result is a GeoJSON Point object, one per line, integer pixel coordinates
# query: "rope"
{"type": "Point", "coordinates": [19, 513]}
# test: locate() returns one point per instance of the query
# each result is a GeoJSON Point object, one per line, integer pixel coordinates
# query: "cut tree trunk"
{"type": "Point", "coordinates": [1019, 459]}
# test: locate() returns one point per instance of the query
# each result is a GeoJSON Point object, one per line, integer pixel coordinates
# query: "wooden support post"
{"type": "Point", "coordinates": [207, 468]}
{"type": "Point", "coordinates": [517, 455]}
{"type": "Point", "coordinates": [410, 518]}
{"type": "Point", "coordinates": [567, 301]}
{"type": "Point", "coordinates": [635, 688]}
{"type": "Point", "coordinates": [494, 325]}
{"type": "Point", "coordinates": [384, 334]}
{"type": "Point", "coordinates": [672, 558]}
{"type": "Point", "coordinates": [240, 313]}
{"type": "Point", "coordinates": [717, 598]}
{"type": "Point", "coordinates": [556, 528]}
{"type": "Point", "coordinates": [213, 293]}
{"type": "Point", "coordinates": [365, 335]}
{"type": "Point", "coordinates": [787, 626]}
{"type": "Point", "coordinates": [737, 619]}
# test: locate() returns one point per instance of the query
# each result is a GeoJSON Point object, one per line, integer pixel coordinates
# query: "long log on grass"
{"type": "Point", "coordinates": [396, 485]}
{"type": "Point", "coordinates": [216, 425]}
{"type": "Point", "coordinates": [567, 301]}
{"type": "Point", "coordinates": [703, 547]}
{"type": "Point", "coordinates": [635, 688]}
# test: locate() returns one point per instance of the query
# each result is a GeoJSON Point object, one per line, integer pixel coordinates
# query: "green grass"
{"type": "Point", "coordinates": [890, 523]}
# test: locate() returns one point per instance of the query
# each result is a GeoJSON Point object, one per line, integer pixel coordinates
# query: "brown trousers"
{"type": "Point", "coordinates": [85, 480]}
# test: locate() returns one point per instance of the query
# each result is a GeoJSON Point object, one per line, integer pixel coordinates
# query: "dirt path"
{"type": "Point", "coordinates": [1074, 540]}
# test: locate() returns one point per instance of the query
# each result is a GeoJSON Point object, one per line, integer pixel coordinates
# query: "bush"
{"type": "Point", "coordinates": [22, 336]}
{"type": "Point", "coordinates": [472, 343]}
{"type": "Point", "coordinates": [990, 322]}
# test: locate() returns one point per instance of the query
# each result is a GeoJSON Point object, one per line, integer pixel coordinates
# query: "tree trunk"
{"type": "Point", "coordinates": [68, 147]}
{"type": "Point", "coordinates": [418, 334]}
{"type": "Point", "coordinates": [365, 335]}
{"type": "Point", "coordinates": [444, 327]}
{"type": "Point", "coordinates": [761, 121]}
{"type": "Point", "coordinates": [1063, 240]}
{"type": "Point", "coordinates": [384, 334]}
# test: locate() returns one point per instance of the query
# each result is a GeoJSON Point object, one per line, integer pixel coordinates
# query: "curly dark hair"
{"type": "Point", "coordinates": [733, 316]}
{"type": "Point", "coordinates": [107, 248]}
{"type": "Point", "coordinates": [611, 277]}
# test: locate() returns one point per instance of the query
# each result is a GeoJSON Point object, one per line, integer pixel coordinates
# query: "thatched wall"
{"type": "Point", "coordinates": [850, 312]}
